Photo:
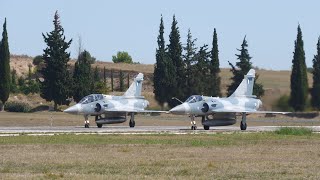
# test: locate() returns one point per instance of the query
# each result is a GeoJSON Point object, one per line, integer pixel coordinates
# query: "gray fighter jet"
{"type": "Point", "coordinates": [109, 109]}
{"type": "Point", "coordinates": [217, 111]}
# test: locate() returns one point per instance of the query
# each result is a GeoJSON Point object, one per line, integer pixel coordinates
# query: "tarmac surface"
{"type": "Point", "coordinates": [47, 130]}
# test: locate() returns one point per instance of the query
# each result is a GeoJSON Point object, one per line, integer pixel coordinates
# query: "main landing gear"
{"type": "Point", "coordinates": [132, 123]}
{"type": "Point", "coordinates": [86, 121]}
{"type": "Point", "coordinates": [98, 124]}
{"type": "Point", "coordinates": [193, 123]}
{"type": "Point", "coordinates": [203, 119]}
{"type": "Point", "coordinates": [243, 123]}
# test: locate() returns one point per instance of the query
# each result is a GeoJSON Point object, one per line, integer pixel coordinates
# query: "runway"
{"type": "Point", "coordinates": [47, 130]}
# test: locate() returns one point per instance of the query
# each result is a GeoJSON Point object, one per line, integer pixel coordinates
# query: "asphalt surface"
{"type": "Point", "coordinates": [47, 130]}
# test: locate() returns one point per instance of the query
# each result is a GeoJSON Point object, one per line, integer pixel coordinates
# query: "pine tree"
{"type": "Point", "coordinates": [201, 72]}
{"type": "Point", "coordinates": [178, 67]}
{"type": "Point", "coordinates": [4, 66]}
{"type": "Point", "coordinates": [299, 80]}
{"type": "Point", "coordinates": [160, 76]}
{"type": "Point", "coordinates": [121, 81]}
{"type": "Point", "coordinates": [215, 80]}
{"type": "Point", "coordinates": [315, 91]}
{"type": "Point", "coordinates": [189, 61]}
{"type": "Point", "coordinates": [57, 82]}
{"type": "Point", "coordinates": [82, 76]}
{"type": "Point", "coordinates": [243, 67]}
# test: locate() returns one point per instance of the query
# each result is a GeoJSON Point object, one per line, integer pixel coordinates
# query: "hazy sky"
{"type": "Point", "coordinates": [125, 25]}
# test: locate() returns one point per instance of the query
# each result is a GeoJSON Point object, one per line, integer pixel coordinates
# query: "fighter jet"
{"type": "Point", "coordinates": [109, 109]}
{"type": "Point", "coordinates": [217, 111]}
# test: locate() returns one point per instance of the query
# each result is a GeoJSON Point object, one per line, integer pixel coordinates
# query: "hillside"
{"type": "Point", "coordinates": [276, 83]}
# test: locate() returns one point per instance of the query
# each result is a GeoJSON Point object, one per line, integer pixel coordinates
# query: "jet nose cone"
{"type": "Point", "coordinates": [72, 110]}
{"type": "Point", "coordinates": [180, 109]}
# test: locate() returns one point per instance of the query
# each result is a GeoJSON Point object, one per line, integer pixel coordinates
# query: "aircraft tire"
{"type": "Point", "coordinates": [243, 126]}
{"type": "Point", "coordinates": [86, 126]}
{"type": "Point", "coordinates": [193, 127]}
{"type": "Point", "coordinates": [99, 125]}
{"type": "Point", "coordinates": [206, 127]}
{"type": "Point", "coordinates": [132, 124]}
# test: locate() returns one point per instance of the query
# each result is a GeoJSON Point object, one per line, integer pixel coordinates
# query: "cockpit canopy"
{"type": "Point", "coordinates": [194, 98]}
{"type": "Point", "coordinates": [91, 98]}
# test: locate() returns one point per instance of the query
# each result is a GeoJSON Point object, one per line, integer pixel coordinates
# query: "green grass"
{"type": "Point", "coordinates": [297, 131]}
{"type": "Point", "coordinates": [192, 140]}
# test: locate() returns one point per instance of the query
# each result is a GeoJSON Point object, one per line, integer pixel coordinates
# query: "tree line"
{"type": "Point", "coordinates": [180, 70]}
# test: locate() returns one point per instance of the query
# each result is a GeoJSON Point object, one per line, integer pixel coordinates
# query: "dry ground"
{"type": "Point", "coordinates": [220, 156]}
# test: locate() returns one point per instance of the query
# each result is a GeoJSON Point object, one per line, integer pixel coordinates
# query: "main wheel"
{"type": "Point", "coordinates": [206, 127]}
{"type": "Point", "coordinates": [86, 126]}
{"type": "Point", "coordinates": [132, 124]}
{"type": "Point", "coordinates": [99, 125]}
{"type": "Point", "coordinates": [243, 126]}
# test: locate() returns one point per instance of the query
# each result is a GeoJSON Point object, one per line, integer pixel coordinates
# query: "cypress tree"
{"type": "Point", "coordinates": [243, 66]}
{"type": "Point", "coordinates": [82, 76]}
{"type": "Point", "coordinates": [315, 91]}
{"type": "Point", "coordinates": [161, 80]}
{"type": "Point", "coordinates": [111, 80]}
{"type": "Point", "coordinates": [104, 75]}
{"type": "Point", "coordinates": [96, 77]}
{"type": "Point", "coordinates": [4, 66]}
{"type": "Point", "coordinates": [215, 80]}
{"type": "Point", "coordinates": [121, 81]}
{"type": "Point", "coordinates": [29, 72]}
{"type": "Point", "coordinates": [189, 60]}
{"type": "Point", "coordinates": [13, 86]}
{"type": "Point", "coordinates": [128, 80]}
{"type": "Point", "coordinates": [178, 68]}
{"type": "Point", "coordinates": [95, 80]}
{"type": "Point", "coordinates": [57, 82]}
{"type": "Point", "coordinates": [299, 80]}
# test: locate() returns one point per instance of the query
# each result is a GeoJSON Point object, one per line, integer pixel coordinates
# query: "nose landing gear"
{"type": "Point", "coordinates": [86, 121]}
{"type": "Point", "coordinates": [193, 123]}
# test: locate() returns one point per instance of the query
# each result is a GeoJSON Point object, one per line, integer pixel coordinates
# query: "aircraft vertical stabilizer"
{"type": "Point", "coordinates": [136, 87]}
{"type": "Point", "coordinates": [245, 88]}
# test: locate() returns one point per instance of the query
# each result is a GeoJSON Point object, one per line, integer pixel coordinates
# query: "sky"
{"type": "Point", "coordinates": [106, 27]}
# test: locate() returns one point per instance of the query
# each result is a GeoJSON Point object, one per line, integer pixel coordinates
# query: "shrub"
{"type": "Point", "coordinates": [37, 60]}
{"type": "Point", "coordinates": [282, 104]}
{"type": "Point", "coordinates": [14, 106]}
